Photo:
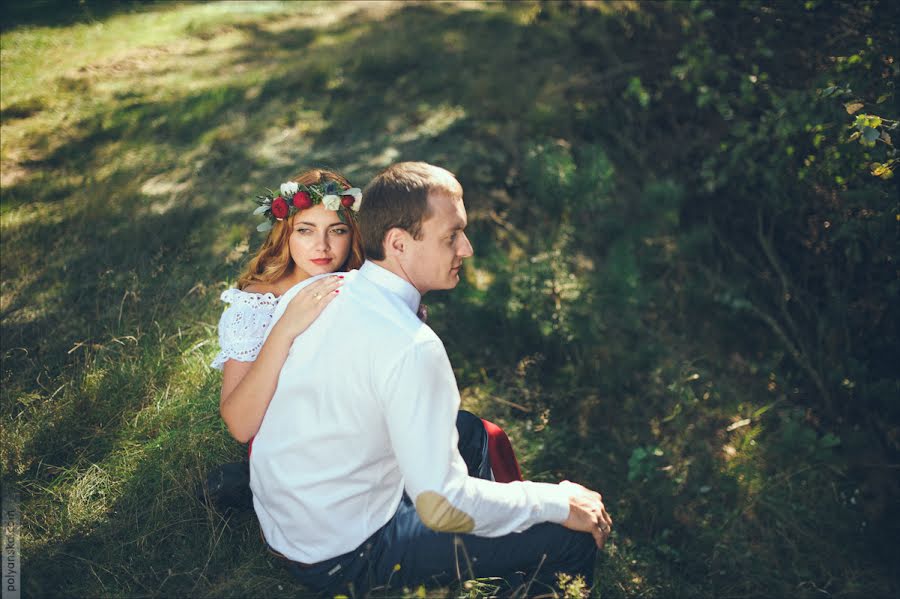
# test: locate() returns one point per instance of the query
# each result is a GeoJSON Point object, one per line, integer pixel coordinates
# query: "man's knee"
{"type": "Point", "coordinates": [562, 545]}
{"type": "Point", "coordinates": [577, 543]}
{"type": "Point", "coordinates": [578, 555]}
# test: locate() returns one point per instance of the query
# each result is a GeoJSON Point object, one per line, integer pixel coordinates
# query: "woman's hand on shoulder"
{"type": "Point", "coordinates": [306, 306]}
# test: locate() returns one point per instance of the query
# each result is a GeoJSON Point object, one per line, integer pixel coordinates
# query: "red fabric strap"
{"type": "Point", "coordinates": [503, 458]}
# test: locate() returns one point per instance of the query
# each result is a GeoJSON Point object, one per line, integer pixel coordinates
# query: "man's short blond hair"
{"type": "Point", "coordinates": [398, 198]}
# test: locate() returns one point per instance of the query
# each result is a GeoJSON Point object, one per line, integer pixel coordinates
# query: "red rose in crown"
{"type": "Point", "coordinates": [280, 208]}
{"type": "Point", "coordinates": [302, 200]}
{"type": "Point", "coordinates": [347, 201]}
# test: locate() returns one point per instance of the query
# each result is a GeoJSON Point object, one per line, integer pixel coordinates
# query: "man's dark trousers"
{"type": "Point", "coordinates": [406, 553]}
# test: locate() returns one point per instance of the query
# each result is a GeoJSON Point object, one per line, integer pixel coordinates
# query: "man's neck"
{"type": "Point", "coordinates": [394, 266]}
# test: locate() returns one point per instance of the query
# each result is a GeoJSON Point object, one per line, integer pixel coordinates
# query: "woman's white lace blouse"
{"type": "Point", "coordinates": [243, 325]}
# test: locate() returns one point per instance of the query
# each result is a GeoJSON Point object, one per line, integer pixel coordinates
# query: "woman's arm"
{"type": "Point", "coordinates": [248, 387]}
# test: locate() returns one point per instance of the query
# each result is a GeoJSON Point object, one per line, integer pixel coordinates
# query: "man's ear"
{"type": "Point", "coordinates": [395, 241]}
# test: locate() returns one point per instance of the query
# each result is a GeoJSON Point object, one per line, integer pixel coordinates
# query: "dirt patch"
{"type": "Point", "coordinates": [142, 59]}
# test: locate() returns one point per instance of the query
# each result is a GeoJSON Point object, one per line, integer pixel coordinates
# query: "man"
{"type": "Point", "coordinates": [356, 475]}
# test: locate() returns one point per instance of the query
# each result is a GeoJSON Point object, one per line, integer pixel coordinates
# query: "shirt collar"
{"type": "Point", "coordinates": [393, 283]}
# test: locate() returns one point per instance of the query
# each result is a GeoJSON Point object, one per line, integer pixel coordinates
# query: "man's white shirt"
{"type": "Point", "coordinates": [365, 408]}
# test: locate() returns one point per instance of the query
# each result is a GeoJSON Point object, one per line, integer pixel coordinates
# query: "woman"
{"type": "Point", "coordinates": [304, 238]}
{"type": "Point", "coordinates": [312, 230]}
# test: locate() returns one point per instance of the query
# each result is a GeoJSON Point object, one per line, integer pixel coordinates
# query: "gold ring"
{"type": "Point", "coordinates": [318, 296]}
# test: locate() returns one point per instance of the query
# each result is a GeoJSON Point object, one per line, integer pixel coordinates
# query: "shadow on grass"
{"type": "Point", "coordinates": [62, 13]}
{"type": "Point", "coordinates": [153, 537]}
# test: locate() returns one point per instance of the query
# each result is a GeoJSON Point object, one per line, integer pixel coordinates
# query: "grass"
{"type": "Point", "coordinates": [131, 140]}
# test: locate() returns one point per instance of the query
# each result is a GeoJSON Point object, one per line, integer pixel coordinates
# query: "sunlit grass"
{"type": "Point", "coordinates": [35, 57]}
{"type": "Point", "coordinates": [56, 78]}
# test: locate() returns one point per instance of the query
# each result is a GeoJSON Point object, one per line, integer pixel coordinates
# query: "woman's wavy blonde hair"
{"type": "Point", "coordinates": [273, 259]}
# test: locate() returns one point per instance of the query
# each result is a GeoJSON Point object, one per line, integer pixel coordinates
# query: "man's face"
{"type": "Point", "coordinates": [434, 260]}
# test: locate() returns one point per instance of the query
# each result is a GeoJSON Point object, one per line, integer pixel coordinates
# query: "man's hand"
{"type": "Point", "coordinates": [587, 512]}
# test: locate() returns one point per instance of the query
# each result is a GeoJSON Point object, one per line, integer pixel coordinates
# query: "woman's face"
{"type": "Point", "coordinates": [320, 242]}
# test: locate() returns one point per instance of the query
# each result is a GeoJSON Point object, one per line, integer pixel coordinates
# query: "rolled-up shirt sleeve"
{"type": "Point", "coordinates": [421, 402]}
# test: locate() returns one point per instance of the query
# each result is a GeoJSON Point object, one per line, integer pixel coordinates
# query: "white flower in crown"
{"type": "Point", "coordinates": [356, 193]}
{"type": "Point", "coordinates": [332, 202]}
{"type": "Point", "coordinates": [290, 188]}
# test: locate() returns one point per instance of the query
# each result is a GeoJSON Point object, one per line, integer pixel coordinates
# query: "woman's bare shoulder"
{"type": "Point", "coordinates": [262, 289]}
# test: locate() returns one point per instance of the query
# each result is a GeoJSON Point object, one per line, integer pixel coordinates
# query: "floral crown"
{"type": "Point", "coordinates": [295, 197]}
